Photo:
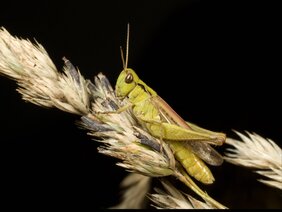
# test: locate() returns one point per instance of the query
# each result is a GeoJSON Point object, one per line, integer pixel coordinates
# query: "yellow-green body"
{"type": "Point", "coordinates": [162, 122]}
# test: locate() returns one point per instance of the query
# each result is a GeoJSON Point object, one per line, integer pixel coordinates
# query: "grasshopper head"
{"type": "Point", "coordinates": [126, 82]}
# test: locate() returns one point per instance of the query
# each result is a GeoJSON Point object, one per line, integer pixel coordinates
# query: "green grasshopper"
{"type": "Point", "coordinates": [189, 142]}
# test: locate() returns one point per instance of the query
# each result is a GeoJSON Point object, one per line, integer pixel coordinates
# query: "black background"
{"type": "Point", "coordinates": [214, 62]}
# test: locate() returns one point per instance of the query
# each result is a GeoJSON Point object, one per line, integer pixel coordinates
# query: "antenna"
{"type": "Point", "coordinates": [125, 62]}
{"type": "Point", "coordinates": [122, 57]}
{"type": "Point", "coordinates": [127, 47]}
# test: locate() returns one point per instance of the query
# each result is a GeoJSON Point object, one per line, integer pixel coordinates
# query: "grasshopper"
{"type": "Point", "coordinates": [189, 143]}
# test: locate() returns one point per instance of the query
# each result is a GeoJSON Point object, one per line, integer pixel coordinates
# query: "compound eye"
{"type": "Point", "coordinates": [129, 78]}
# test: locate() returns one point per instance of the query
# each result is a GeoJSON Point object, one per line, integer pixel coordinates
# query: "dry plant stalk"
{"type": "Point", "coordinates": [119, 133]}
{"type": "Point", "coordinates": [39, 81]}
{"type": "Point", "coordinates": [171, 198]}
{"type": "Point", "coordinates": [135, 188]}
{"type": "Point", "coordinates": [257, 152]}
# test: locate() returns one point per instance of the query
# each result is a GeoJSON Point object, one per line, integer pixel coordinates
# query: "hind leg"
{"type": "Point", "coordinates": [174, 132]}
